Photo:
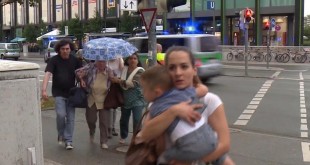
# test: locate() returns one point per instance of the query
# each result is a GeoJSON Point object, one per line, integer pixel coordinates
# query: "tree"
{"type": "Point", "coordinates": [30, 33]}
{"type": "Point", "coordinates": [31, 2]}
{"type": "Point", "coordinates": [75, 27]}
{"type": "Point", "coordinates": [128, 22]}
{"type": "Point", "coordinates": [307, 31]}
{"type": "Point", "coordinates": [94, 25]}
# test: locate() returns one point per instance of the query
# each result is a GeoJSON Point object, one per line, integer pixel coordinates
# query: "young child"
{"type": "Point", "coordinates": [190, 143]}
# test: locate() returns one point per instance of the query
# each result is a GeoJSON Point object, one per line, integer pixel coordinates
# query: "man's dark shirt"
{"type": "Point", "coordinates": [63, 71]}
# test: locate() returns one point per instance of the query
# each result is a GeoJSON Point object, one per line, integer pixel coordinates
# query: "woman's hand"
{"type": "Point", "coordinates": [83, 84]}
{"type": "Point", "coordinates": [115, 80]}
{"type": "Point", "coordinates": [186, 111]}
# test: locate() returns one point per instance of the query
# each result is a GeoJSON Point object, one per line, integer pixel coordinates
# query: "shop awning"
{"type": "Point", "coordinates": [52, 33]}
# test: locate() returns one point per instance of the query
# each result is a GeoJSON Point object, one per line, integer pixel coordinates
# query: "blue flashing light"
{"type": "Point", "coordinates": [191, 28]}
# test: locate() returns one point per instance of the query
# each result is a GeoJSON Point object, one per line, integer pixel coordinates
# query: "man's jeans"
{"type": "Point", "coordinates": [65, 118]}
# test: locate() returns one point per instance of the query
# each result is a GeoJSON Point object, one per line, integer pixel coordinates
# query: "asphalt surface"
{"type": "Point", "coordinates": [272, 134]}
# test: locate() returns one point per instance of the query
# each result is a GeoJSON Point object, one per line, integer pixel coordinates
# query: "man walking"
{"type": "Point", "coordinates": [62, 67]}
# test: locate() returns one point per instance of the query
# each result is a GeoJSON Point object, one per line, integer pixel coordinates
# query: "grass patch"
{"type": "Point", "coordinates": [48, 104]}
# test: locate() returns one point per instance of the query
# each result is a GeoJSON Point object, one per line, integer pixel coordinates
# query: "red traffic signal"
{"type": "Point", "coordinates": [248, 15]}
{"type": "Point", "coordinates": [267, 25]}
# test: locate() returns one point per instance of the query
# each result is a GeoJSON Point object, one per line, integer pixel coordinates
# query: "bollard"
{"type": "Point", "coordinates": [20, 114]}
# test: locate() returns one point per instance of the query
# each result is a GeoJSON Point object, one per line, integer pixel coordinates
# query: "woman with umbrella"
{"type": "Point", "coordinates": [96, 78]}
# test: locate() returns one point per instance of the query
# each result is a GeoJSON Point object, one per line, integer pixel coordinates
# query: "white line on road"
{"type": "Point", "coordinates": [300, 76]}
{"type": "Point", "coordinates": [246, 115]}
{"type": "Point", "coordinates": [48, 81]}
{"type": "Point", "coordinates": [305, 151]}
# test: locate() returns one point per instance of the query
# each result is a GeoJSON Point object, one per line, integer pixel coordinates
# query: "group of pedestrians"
{"type": "Point", "coordinates": [191, 119]}
{"type": "Point", "coordinates": [96, 78]}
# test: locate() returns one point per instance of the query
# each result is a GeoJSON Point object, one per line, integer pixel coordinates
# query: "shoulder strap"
{"type": "Point", "coordinates": [133, 73]}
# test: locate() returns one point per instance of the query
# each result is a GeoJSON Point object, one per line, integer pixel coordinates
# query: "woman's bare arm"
{"type": "Point", "coordinates": [219, 124]}
{"type": "Point", "coordinates": [155, 127]}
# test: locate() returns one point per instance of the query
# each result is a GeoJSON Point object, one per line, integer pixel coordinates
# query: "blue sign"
{"type": "Point", "coordinates": [273, 22]}
{"type": "Point", "coordinates": [210, 5]}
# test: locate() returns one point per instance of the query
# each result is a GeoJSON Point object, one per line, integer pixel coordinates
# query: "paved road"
{"type": "Point", "coordinates": [267, 114]}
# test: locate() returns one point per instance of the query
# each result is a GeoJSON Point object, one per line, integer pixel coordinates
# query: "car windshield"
{"type": "Point", "coordinates": [53, 43]}
{"type": "Point", "coordinates": [12, 46]}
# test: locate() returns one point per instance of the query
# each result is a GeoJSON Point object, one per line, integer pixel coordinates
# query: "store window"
{"type": "Point", "coordinates": [75, 8]}
{"type": "Point", "coordinates": [244, 4]}
{"type": "Point", "coordinates": [282, 2]}
{"type": "Point", "coordinates": [278, 33]}
{"type": "Point", "coordinates": [31, 14]}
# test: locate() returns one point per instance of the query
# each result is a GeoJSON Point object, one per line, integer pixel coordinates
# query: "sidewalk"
{"type": "Point", "coordinates": [31, 56]}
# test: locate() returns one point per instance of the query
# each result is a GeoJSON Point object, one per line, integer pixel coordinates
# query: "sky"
{"type": "Point", "coordinates": [306, 9]}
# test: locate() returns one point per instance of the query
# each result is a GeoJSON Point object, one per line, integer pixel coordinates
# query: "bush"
{"type": "Point", "coordinates": [306, 43]}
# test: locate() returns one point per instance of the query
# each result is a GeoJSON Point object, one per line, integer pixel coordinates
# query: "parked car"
{"type": "Point", "coordinates": [49, 52]}
{"type": "Point", "coordinates": [9, 50]}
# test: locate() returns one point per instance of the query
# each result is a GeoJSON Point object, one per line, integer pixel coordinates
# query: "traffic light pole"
{"type": "Point", "coordinates": [246, 45]}
{"type": "Point", "coordinates": [268, 47]}
{"type": "Point", "coordinates": [152, 58]}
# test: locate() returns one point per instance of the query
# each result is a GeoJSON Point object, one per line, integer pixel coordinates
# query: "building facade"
{"type": "Point", "coordinates": [288, 15]}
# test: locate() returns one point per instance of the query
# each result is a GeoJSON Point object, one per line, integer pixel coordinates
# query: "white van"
{"type": "Point", "coordinates": [204, 47]}
{"type": "Point", "coordinates": [49, 51]}
{"type": "Point", "coordinates": [9, 50]}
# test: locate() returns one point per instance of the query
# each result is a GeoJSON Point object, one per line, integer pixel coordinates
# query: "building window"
{"type": "Point", "coordinates": [75, 8]}
{"type": "Point", "coordinates": [92, 8]}
{"type": "Point", "coordinates": [44, 11]}
{"type": "Point", "coordinates": [59, 10]}
{"type": "Point", "coordinates": [6, 15]}
{"type": "Point", "coordinates": [282, 2]}
{"type": "Point", "coordinates": [230, 4]}
{"type": "Point", "coordinates": [278, 34]}
{"type": "Point", "coordinates": [244, 4]}
{"type": "Point", "coordinates": [264, 3]}
{"type": "Point", "coordinates": [20, 20]}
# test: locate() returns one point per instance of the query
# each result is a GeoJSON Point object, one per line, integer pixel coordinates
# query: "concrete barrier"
{"type": "Point", "coordinates": [20, 114]}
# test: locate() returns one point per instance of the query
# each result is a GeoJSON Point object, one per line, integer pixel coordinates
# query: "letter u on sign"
{"type": "Point", "coordinates": [210, 5]}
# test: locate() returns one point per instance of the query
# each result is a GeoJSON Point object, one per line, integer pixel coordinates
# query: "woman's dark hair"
{"type": "Point", "coordinates": [190, 55]}
{"type": "Point", "coordinates": [183, 49]}
{"type": "Point", "coordinates": [139, 62]}
{"type": "Point", "coordinates": [62, 43]}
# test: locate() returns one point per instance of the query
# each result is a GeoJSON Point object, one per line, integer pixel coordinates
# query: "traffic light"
{"type": "Point", "coordinates": [267, 25]}
{"type": "Point", "coordinates": [162, 5]}
{"type": "Point", "coordinates": [248, 13]}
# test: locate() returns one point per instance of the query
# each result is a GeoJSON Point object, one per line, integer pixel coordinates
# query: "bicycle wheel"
{"type": "Point", "coordinates": [249, 56]}
{"type": "Point", "coordinates": [304, 58]}
{"type": "Point", "coordinates": [298, 58]}
{"type": "Point", "coordinates": [268, 57]}
{"type": "Point", "coordinates": [286, 58]}
{"type": "Point", "coordinates": [259, 57]}
{"type": "Point", "coordinates": [240, 56]}
{"type": "Point", "coordinates": [229, 56]}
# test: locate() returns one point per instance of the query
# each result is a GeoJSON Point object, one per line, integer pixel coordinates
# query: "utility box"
{"type": "Point", "coordinates": [20, 114]}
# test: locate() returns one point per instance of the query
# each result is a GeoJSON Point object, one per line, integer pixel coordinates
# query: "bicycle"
{"type": "Point", "coordinates": [258, 56]}
{"type": "Point", "coordinates": [237, 54]}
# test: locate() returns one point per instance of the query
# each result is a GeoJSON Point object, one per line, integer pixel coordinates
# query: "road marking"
{"type": "Point", "coordinates": [246, 115]}
{"type": "Point", "coordinates": [305, 151]}
{"type": "Point", "coordinates": [303, 109]}
{"type": "Point", "coordinates": [300, 76]}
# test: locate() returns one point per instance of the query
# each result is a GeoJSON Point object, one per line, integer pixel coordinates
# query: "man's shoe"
{"type": "Point", "coordinates": [104, 146]}
{"type": "Point", "coordinates": [69, 146]}
{"type": "Point", "coordinates": [60, 140]}
{"type": "Point", "coordinates": [114, 133]}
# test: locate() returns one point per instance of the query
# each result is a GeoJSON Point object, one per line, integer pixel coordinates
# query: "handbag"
{"type": "Point", "coordinates": [114, 98]}
{"type": "Point", "coordinates": [77, 97]}
{"type": "Point", "coordinates": [144, 153]}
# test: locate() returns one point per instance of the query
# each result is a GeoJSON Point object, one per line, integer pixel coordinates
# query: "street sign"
{"type": "Point", "coordinates": [273, 22]}
{"type": "Point", "coordinates": [278, 27]}
{"type": "Point", "coordinates": [111, 3]}
{"type": "Point", "coordinates": [148, 17]}
{"type": "Point", "coordinates": [210, 5]}
{"type": "Point", "coordinates": [129, 5]}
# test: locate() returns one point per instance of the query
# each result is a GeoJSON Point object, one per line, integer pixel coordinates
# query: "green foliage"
{"type": "Point", "coordinates": [307, 31]}
{"type": "Point", "coordinates": [94, 25]}
{"type": "Point", "coordinates": [75, 27]}
{"type": "Point", "coordinates": [30, 33]}
{"type": "Point", "coordinates": [128, 22]}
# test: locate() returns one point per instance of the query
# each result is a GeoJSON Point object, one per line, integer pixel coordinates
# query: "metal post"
{"type": "Point", "coordinates": [268, 47]}
{"type": "Point", "coordinates": [214, 22]}
{"type": "Point", "coordinates": [152, 37]}
{"type": "Point", "coordinates": [246, 44]}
